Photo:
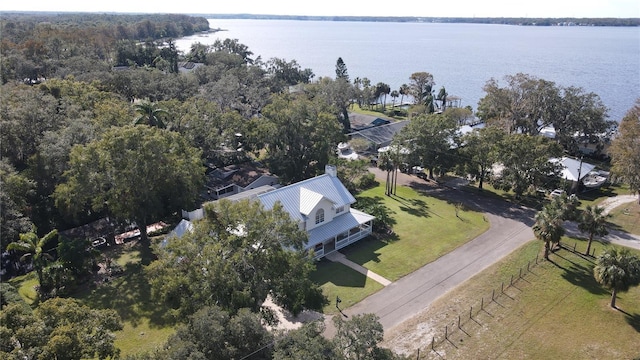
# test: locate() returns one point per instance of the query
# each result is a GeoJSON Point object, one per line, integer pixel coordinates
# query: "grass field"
{"type": "Point", "coordinates": [145, 324]}
{"type": "Point", "coordinates": [556, 311]}
{"type": "Point", "coordinates": [339, 280]}
{"type": "Point", "coordinates": [425, 229]}
{"type": "Point", "coordinates": [627, 217]}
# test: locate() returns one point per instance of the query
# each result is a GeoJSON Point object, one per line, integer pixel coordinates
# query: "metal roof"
{"type": "Point", "coordinates": [289, 196]}
{"type": "Point", "coordinates": [337, 226]}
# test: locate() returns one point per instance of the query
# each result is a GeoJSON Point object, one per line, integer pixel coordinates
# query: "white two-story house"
{"type": "Point", "coordinates": [322, 206]}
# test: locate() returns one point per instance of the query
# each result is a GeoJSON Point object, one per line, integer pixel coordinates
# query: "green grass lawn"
{"type": "Point", "coordinates": [145, 322]}
{"type": "Point", "coordinates": [26, 286]}
{"type": "Point", "coordinates": [339, 280]}
{"type": "Point", "coordinates": [425, 229]}
{"type": "Point", "coordinates": [557, 311]}
{"type": "Point", "coordinates": [626, 217]}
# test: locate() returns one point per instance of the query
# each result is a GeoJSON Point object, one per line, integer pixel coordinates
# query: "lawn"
{"type": "Point", "coordinates": [425, 229]}
{"type": "Point", "coordinates": [556, 311]}
{"type": "Point", "coordinates": [26, 286]}
{"type": "Point", "coordinates": [626, 217]}
{"type": "Point", "coordinates": [145, 324]}
{"type": "Point", "coordinates": [339, 280]}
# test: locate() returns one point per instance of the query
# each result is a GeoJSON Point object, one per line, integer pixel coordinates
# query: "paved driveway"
{"type": "Point", "coordinates": [510, 229]}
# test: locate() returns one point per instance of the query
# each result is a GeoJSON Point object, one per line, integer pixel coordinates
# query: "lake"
{"type": "Point", "coordinates": [461, 57]}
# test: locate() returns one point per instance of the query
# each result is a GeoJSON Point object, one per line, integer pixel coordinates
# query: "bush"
{"type": "Point", "coordinates": [367, 181]}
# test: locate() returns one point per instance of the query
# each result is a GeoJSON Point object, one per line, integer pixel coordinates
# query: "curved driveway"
{"type": "Point", "coordinates": [510, 229]}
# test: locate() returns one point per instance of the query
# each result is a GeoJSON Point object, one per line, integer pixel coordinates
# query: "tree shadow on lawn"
{"type": "Point", "coordinates": [581, 275]}
{"type": "Point", "coordinates": [484, 201]}
{"type": "Point", "coordinates": [337, 274]}
{"type": "Point", "coordinates": [415, 207]}
{"type": "Point", "coordinates": [368, 249]}
{"type": "Point", "coordinates": [130, 296]}
{"type": "Point", "coordinates": [632, 319]}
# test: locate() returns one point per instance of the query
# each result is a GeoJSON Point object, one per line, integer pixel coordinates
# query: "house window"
{"type": "Point", "coordinates": [320, 216]}
{"type": "Point", "coordinates": [339, 209]}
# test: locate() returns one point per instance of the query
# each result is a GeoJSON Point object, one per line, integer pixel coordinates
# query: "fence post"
{"type": "Point", "coordinates": [536, 258]}
{"type": "Point", "coordinates": [458, 321]}
{"type": "Point", "coordinates": [418, 358]}
{"type": "Point", "coordinates": [520, 276]}
{"type": "Point", "coordinates": [471, 312]}
{"type": "Point", "coordinates": [433, 340]}
{"type": "Point", "coordinates": [482, 303]}
{"type": "Point", "coordinates": [493, 293]}
{"type": "Point", "coordinates": [574, 247]}
{"type": "Point", "coordinates": [511, 282]}
{"type": "Point", "coordinates": [528, 265]}
{"type": "Point", "coordinates": [446, 332]}
{"type": "Point", "coordinates": [502, 290]}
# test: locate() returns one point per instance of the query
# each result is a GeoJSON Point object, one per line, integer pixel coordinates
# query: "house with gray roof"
{"type": "Point", "coordinates": [322, 207]}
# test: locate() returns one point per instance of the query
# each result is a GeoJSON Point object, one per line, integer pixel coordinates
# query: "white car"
{"type": "Point", "coordinates": [556, 192]}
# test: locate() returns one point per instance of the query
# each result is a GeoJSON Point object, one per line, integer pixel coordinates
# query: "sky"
{"type": "Point", "coordinates": [453, 8]}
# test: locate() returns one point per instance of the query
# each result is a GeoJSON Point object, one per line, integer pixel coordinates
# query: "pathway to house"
{"type": "Point", "coordinates": [337, 256]}
{"type": "Point", "coordinates": [510, 228]}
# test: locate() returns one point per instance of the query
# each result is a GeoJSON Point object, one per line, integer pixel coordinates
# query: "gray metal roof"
{"type": "Point", "coordinates": [380, 135]}
{"type": "Point", "coordinates": [289, 196]}
{"type": "Point", "coordinates": [338, 225]}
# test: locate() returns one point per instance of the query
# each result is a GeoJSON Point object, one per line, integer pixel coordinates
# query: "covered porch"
{"type": "Point", "coordinates": [342, 231]}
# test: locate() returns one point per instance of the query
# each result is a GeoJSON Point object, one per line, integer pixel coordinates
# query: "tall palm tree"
{"type": "Point", "coordinates": [404, 90]}
{"type": "Point", "coordinates": [617, 271]}
{"type": "Point", "coordinates": [32, 246]}
{"type": "Point", "coordinates": [548, 227]}
{"type": "Point", "coordinates": [394, 96]}
{"type": "Point", "coordinates": [593, 221]}
{"type": "Point", "coordinates": [150, 114]}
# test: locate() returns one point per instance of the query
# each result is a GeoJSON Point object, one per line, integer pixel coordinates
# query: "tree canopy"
{"type": "Point", "coordinates": [236, 256]}
{"type": "Point", "coordinates": [58, 329]}
{"type": "Point", "coordinates": [299, 134]}
{"type": "Point", "coordinates": [625, 150]}
{"type": "Point", "coordinates": [135, 173]}
{"type": "Point", "coordinates": [527, 104]}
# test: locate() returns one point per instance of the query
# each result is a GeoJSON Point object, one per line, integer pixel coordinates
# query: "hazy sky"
{"type": "Point", "coordinates": [455, 8]}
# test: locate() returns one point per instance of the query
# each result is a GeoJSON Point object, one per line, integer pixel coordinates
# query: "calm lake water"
{"type": "Point", "coordinates": [461, 57]}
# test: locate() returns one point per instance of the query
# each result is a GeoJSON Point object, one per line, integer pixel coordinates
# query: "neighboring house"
{"type": "Point", "coordinates": [234, 179]}
{"type": "Point", "coordinates": [321, 206]}
{"type": "Point", "coordinates": [188, 66]}
{"type": "Point", "coordinates": [379, 136]}
{"type": "Point", "coordinates": [362, 121]}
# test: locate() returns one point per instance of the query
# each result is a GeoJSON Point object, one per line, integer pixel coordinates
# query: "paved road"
{"type": "Point", "coordinates": [510, 228]}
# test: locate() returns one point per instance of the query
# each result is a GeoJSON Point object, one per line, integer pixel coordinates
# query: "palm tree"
{"type": "Point", "coordinates": [149, 114]}
{"type": "Point", "coordinates": [617, 271]}
{"type": "Point", "coordinates": [548, 227]}
{"type": "Point", "coordinates": [394, 96]}
{"type": "Point", "coordinates": [593, 221]}
{"type": "Point", "coordinates": [32, 246]}
{"type": "Point", "coordinates": [404, 90]}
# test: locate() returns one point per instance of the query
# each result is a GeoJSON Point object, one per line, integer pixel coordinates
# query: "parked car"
{"type": "Point", "coordinates": [556, 192]}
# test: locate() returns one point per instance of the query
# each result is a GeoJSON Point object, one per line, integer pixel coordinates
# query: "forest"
{"type": "Point", "coordinates": [102, 117]}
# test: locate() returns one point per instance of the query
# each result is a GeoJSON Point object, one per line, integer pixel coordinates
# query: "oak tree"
{"type": "Point", "coordinates": [135, 173]}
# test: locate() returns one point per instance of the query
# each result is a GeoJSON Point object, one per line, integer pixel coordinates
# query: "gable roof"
{"type": "Point", "coordinates": [572, 168]}
{"type": "Point", "coordinates": [291, 196]}
{"type": "Point", "coordinates": [308, 200]}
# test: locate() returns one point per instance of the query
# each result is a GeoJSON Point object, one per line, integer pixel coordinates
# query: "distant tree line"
{"type": "Point", "coordinates": [463, 20]}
